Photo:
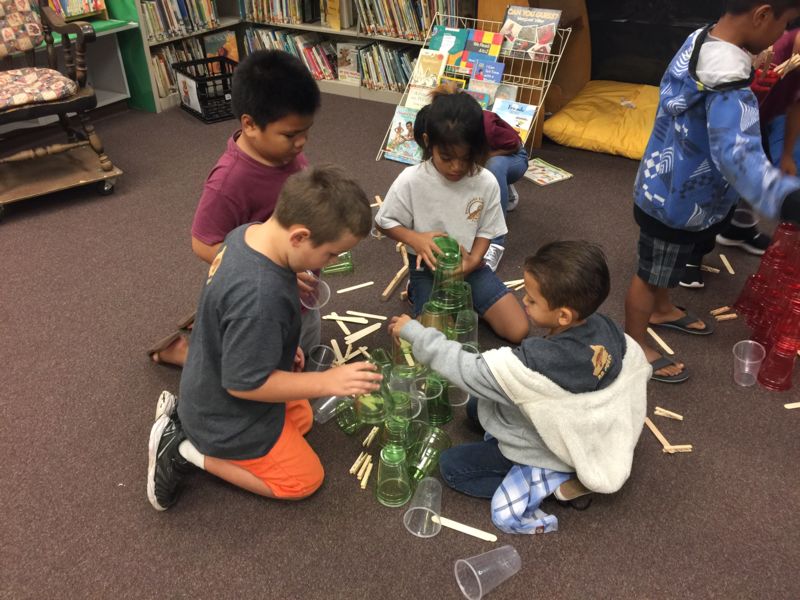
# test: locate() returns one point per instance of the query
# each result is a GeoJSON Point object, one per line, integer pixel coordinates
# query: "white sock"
{"type": "Point", "coordinates": [192, 454]}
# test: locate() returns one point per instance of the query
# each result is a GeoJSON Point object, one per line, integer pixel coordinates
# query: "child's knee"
{"type": "Point", "coordinates": [306, 484]}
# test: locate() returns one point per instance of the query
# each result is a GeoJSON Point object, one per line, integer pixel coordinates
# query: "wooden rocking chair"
{"type": "Point", "coordinates": [32, 92]}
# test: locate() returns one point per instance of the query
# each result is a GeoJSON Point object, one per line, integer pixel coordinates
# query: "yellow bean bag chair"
{"type": "Point", "coordinates": [607, 116]}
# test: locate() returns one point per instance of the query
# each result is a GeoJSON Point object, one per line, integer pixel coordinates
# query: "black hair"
{"type": "Point", "coordinates": [271, 84]}
{"type": "Point", "coordinates": [419, 125]}
{"type": "Point", "coordinates": [326, 200]}
{"type": "Point", "coordinates": [454, 120]}
{"type": "Point", "coordinates": [738, 7]}
{"type": "Point", "coordinates": [571, 274]}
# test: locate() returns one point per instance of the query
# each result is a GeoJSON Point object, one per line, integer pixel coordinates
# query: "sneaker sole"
{"type": "Point", "coordinates": [166, 404]}
{"type": "Point", "coordinates": [694, 285]}
{"type": "Point", "coordinates": [152, 454]}
{"type": "Point", "coordinates": [740, 244]}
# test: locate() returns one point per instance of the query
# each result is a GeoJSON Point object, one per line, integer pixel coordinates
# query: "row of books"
{"type": "Point", "coordinates": [76, 8]}
{"type": "Point", "coordinates": [165, 56]}
{"type": "Point", "coordinates": [384, 67]}
{"type": "Point", "coordinates": [282, 11]}
{"type": "Point", "coordinates": [165, 19]}
{"type": "Point", "coordinates": [318, 55]}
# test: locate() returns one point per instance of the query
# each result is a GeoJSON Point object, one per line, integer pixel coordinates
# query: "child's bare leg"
{"type": "Point", "coordinates": [237, 476]}
{"type": "Point", "coordinates": [507, 319]}
{"type": "Point", "coordinates": [174, 354]}
{"type": "Point", "coordinates": [640, 302]}
{"type": "Point", "coordinates": [664, 310]}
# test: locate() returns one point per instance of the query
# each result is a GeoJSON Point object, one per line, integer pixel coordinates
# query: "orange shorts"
{"type": "Point", "coordinates": [291, 469]}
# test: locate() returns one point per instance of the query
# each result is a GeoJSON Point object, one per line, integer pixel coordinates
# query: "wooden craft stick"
{"type": "Point", "coordinates": [355, 313]}
{"type": "Point", "coordinates": [727, 264]}
{"type": "Point", "coordinates": [350, 339]}
{"type": "Point", "coordinates": [521, 286]}
{"type": "Point", "coordinates": [404, 295]}
{"type": "Point", "coordinates": [679, 448]}
{"type": "Point", "coordinates": [378, 200]}
{"type": "Point", "coordinates": [708, 269]}
{"type": "Point", "coordinates": [363, 468]}
{"type": "Point", "coordinates": [719, 311]}
{"type": "Point", "coordinates": [335, 317]}
{"type": "Point", "coordinates": [354, 287]}
{"type": "Point", "coordinates": [345, 329]}
{"type": "Point", "coordinates": [365, 479]}
{"type": "Point", "coordinates": [663, 412]}
{"type": "Point", "coordinates": [483, 535]}
{"type": "Point", "coordinates": [363, 350]}
{"type": "Point", "coordinates": [728, 317]}
{"type": "Point", "coordinates": [337, 352]}
{"type": "Point", "coordinates": [370, 436]}
{"type": "Point", "coordinates": [792, 405]}
{"type": "Point", "coordinates": [513, 282]}
{"type": "Point", "coordinates": [659, 341]}
{"type": "Point", "coordinates": [659, 436]}
{"type": "Point", "coordinates": [394, 283]}
{"type": "Point", "coordinates": [358, 462]}
{"type": "Point", "coordinates": [404, 255]}
{"type": "Point", "coordinates": [348, 352]}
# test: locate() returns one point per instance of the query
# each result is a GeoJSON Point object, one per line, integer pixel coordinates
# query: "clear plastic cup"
{"type": "Point", "coordinates": [324, 408]}
{"type": "Point", "coordinates": [747, 358]}
{"type": "Point", "coordinates": [479, 575]}
{"type": "Point", "coordinates": [426, 504]}
{"type": "Point", "coordinates": [320, 358]}
{"type": "Point", "coordinates": [318, 296]}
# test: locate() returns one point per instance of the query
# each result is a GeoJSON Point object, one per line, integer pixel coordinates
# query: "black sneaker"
{"type": "Point", "coordinates": [749, 239]}
{"type": "Point", "coordinates": [165, 465]}
{"type": "Point", "coordinates": [692, 277]}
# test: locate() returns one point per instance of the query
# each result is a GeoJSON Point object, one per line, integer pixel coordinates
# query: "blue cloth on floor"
{"type": "Point", "coordinates": [515, 505]}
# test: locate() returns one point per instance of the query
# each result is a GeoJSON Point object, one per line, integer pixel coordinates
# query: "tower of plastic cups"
{"type": "Point", "coordinates": [393, 486]}
{"type": "Point", "coordinates": [425, 452]}
{"type": "Point", "coordinates": [788, 326]}
{"type": "Point", "coordinates": [448, 263]}
{"type": "Point", "coordinates": [776, 372]}
{"type": "Point", "coordinates": [748, 301]}
{"type": "Point", "coordinates": [395, 432]}
{"type": "Point", "coordinates": [433, 315]}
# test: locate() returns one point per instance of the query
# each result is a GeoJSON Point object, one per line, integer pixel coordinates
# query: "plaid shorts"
{"type": "Point", "coordinates": [662, 263]}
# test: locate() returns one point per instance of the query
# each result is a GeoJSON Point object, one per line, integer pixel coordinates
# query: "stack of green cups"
{"type": "Point", "coordinates": [439, 411]}
{"type": "Point", "coordinates": [393, 487]}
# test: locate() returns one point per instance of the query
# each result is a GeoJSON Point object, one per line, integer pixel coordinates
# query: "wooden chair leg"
{"type": "Point", "coordinates": [72, 134]}
{"type": "Point", "coordinates": [94, 140]}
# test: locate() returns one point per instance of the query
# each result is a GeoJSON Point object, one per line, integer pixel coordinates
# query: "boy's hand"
{"type": "Point", "coordinates": [787, 165]}
{"type": "Point", "coordinates": [397, 323]}
{"type": "Point", "coordinates": [425, 248]}
{"type": "Point", "coordinates": [352, 380]}
{"type": "Point", "coordinates": [299, 361]}
{"type": "Point", "coordinates": [305, 283]}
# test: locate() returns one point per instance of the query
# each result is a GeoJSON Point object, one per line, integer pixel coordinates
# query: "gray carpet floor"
{"type": "Point", "coordinates": [89, 282]}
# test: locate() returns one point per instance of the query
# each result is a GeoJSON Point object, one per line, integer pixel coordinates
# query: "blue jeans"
{"type": "Point", "coordinates": [475, 469]}
{"type": "Point", "coordinates": [507, 169]}
{"type": "Point", "coordinates": [486, 287]}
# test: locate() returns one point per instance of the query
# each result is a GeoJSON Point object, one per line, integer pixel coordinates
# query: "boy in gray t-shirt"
{"type": "Point", "coordinates": [243, 410]}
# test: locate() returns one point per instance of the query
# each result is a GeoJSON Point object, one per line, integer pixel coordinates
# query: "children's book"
{"type": "Point", "coordinates": [506, 91]}
{"type": "Point", "coordinates": [428, 68]}
{"type": "Point", "coordinates": [347, 60]}
{"type": "Point", "coordinates": [480, 45]}
{"type": "Point", "coordinates": [530, 30]}
{"type": "Point", "coordinates": [221, 43]}
{"type": "Point", "coordinates": [543, 173]}
{"type": "Point", "coordinates": [459, 83]}
{"type": "Point", "coordinates": [488, 88]}
{"type": "Point", "coordinates": [400, 144]}
{"type": "Point", "coordinates": [517, 114]}
{"type": "Point", "coordinates": [449, 41]}
{"type": "Point", "coordinates": [481, 97]}
{"type": "Point", "coordinates": [418, 96]}
{"type": "Point", "coordinates": [487, 70]}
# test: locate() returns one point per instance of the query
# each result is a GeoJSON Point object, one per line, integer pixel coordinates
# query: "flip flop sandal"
{"type": "Point", "coordinates": [683, 323]}
{"type": "Point", "coordinates": [186, 322]}
{"type": "Point", "coordinates": [662, 362]}
{"type": "Point", "coordinates": [162, 345]}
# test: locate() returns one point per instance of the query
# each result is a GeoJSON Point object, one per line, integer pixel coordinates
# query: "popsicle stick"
{"type": "Point", "coordinates": [363, 350]}
{"type": "Point", "coordinates": [354, 287]}
{"type": "Point", "coordinates": [365, 479]}
{"type": "Point", "coordinates": [404, 255]}
{"type": "Point", "coordinates": [404, 295]}
{"type": "Point", "coordinates": [335, 317]}
{"type": "Point", "coordinates": [355, 313]}
{"type": "Point", "coordinates": [727, 264]}
{"type": "Point", "coordinates": [513, 282]}
{"type": "Point", "coordinates": [679, 448]}
{"type": "Point", "coordinates": [357, 464]}
{"type": "Point", "coordinates": [792, 405]}
{"type": "Point", "coordinates": [337, 352]}
{"type": "Point", "coordinates": [350, 339]}
{"type": "Point", "coordinates": [659, 341]}
{"type": "Point", "coordinates": [394, 283]}
{"type": "Point", "coordinates": [663, 412]}
{"type": "Point", "coordinates": [378, 200]}
{"type": "Point", "coordinates": [728, 317]}
{"type": "Point", "coordinates": [348, 352]}
{"type": "Point", "coordinates": [709, 269]}
{"type": "Point", "coordinates": [364, 465]}
{"type": "Point", "coordinates": [720, 310]}
{"type": "Point", "coordinates": [345, 329]}
{"type": "Point", "coordinates": [659, 436]}
{"type": "Point", "coordinates": [521, 286]}
{"type": "Point", "coordinates": [483, 535]}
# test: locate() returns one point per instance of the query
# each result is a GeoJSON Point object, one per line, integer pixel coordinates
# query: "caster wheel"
{"type": "Point", "coordinates": [106, 187]}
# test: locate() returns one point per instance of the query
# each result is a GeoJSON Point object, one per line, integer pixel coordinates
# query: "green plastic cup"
{"type": "Point", "coordinates": [393, 487]}
{"type": "Point", "coordinates": [425, 452]}
{"type": "Point", "coordinates": [371, 408]}
{"type": "Point", "coordinates": [347, 418]}
{"type": "Point", "coordinates": [343, 264]}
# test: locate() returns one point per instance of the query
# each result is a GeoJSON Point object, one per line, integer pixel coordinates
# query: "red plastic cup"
{"type": "Point", "coordinates": [771, 265]}
{"type": "Point", "coordinates": [764, 321]}
{"type": "Point", "coordinates": [776, 372]}
{"type": "Point", "coordinates": [785, 237]}
{"type": "Point", "coordinates": [749, 298]}
{"type": "Point", "coordinates": [788, 327]}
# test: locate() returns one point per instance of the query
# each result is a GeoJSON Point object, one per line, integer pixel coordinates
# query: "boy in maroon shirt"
{"type": "Point", "coordinates": [275, 99]}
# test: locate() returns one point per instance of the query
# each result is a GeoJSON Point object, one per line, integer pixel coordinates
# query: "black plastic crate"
{"type": "Point", "coordinates": [204, 87]}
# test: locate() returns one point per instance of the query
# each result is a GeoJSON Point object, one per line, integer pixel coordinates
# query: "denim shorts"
{"type": "Point", "coordinates": [486, 287]}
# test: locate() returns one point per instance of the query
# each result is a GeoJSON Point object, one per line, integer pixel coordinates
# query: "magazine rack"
{"type": "Point", "coordinates": [531, 76]}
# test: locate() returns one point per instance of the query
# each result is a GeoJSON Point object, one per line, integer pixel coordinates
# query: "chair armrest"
{"type": "Point", "coordinates": [83, 30]}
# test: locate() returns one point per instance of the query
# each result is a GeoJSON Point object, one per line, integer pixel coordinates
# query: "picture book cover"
{"type": "Point", "coordinates": [488, 70]}
{"type": "Point", "coordinates": [517, 114]}
{"type": "Point", "coordinates": [484, 87]}
{"type": "Point", "coordinates": [449, 41]}
{"type": "Point", "coordinates": [221, 43]}
{"type": "Point", "coordinates": [530, 30]}
{"type": "Point", "coordinates": [506, 91]}
{"type": "Point", "coordinates": [481, 97]}
{"type": "Point", "coordinates": [543, 173]}
{"type": "Point", "coordinates": [447, 80]}
{"type": "Point", "coordinates": [428, 68]}
{"type": "Point", "coordinates": [418, 96]}
{"type": "Point", "coordinates": [400, 144]}
{"type": "Point", "coordinates": [347, 61]}
{"type": "Point", "coordinates": [480, 45]}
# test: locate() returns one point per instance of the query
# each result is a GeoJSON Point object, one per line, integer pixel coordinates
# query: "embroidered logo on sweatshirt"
{"type": "Point", "coordinates": [601, 360]}
{"type": "Point", "coordinates": [474, 209]}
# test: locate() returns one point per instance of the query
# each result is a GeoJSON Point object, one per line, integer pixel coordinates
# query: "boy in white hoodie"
{"type": "Point", "coordinates": [562, 413]}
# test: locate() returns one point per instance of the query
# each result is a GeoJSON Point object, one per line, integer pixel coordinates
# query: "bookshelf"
{"type": "Point", "coordinates": [239, 16]}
